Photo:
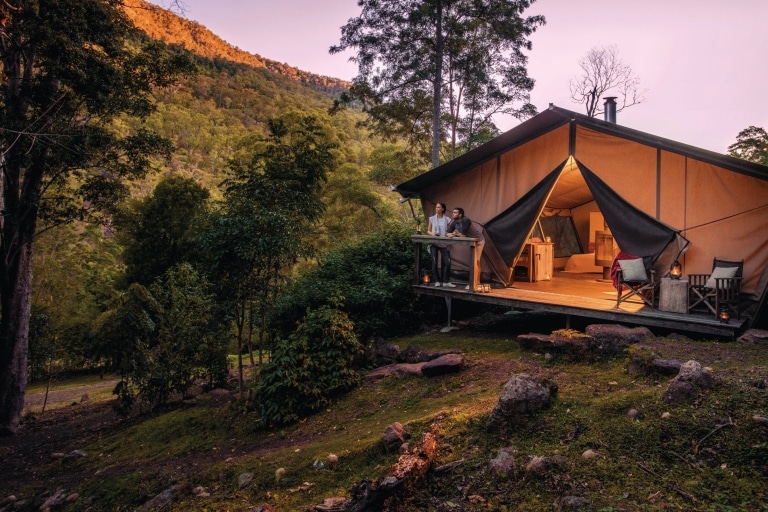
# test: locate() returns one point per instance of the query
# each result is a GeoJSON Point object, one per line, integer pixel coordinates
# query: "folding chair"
{"type": "Point", "coordinates": [635, 277]}
{"type": "Point", "coordinates": [718, 289]}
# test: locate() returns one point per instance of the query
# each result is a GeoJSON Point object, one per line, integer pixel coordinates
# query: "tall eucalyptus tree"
{"type": "Point", "coordinates": [427, 67]}
{"type": "Point", "coordinates": [68, 69]}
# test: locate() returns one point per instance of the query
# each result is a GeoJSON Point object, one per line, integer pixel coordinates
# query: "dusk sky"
{"type": "Point", "coordinates": [701, 62]}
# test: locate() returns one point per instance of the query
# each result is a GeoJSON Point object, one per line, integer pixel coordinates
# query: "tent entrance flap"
{"type": "Point", "coordinates": [634, 231]}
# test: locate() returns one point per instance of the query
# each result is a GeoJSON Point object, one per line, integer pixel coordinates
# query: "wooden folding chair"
{"type": "Point", "coordinates": [718, 289]}
{"type": "Point", "coordinates": [636, 278]}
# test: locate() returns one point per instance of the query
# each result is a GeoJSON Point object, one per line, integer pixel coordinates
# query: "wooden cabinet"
{"type": "Point", "coordinates": [536, 262]}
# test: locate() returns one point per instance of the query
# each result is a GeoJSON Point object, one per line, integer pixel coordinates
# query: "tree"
{"type": "Point", "coordinates": [67, 71]}
{"type": "Point", "coordinates": [429, 65]}
{"type": "Point", "coordinates": [158, 231]}
{"type": "Point", "coordinates": [602, 71]}
{"type": "Point", "coordinates": [271, 203]}
{"type": "Point", "coordinates": [751, 144]}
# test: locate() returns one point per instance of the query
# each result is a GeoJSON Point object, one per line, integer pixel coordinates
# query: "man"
{"type": "Point", "coordinates": [461, 226]}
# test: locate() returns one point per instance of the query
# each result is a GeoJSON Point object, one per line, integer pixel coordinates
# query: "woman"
{"type": "Point", "coordinates": [438, 223]}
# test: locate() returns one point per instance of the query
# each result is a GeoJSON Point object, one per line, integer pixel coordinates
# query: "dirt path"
{"type": "Point", "coordinates": [57, 398]}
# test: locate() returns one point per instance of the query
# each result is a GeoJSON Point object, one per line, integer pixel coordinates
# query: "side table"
{"type": "Point", "coordinates": [673, 295]}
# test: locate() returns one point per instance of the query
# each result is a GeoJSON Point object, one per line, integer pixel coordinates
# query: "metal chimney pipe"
{"type": "Point", "coordinates": [610, 109]}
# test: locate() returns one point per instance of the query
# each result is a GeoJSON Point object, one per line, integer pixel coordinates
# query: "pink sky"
{"type": "Point", "coordinates": [702, 62]}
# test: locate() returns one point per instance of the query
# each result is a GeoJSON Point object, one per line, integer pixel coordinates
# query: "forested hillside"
{"type": "Point", "coordinates": [211, 116]}
{"type": "Point", "coordinates": [166, 26]}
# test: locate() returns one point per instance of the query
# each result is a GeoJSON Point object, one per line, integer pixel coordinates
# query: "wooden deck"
{"type": "Point", "coordinates": [586, 295]}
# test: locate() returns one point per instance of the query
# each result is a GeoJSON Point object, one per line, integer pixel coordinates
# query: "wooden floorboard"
{"type": "Point", "coordinates": [589, 296]}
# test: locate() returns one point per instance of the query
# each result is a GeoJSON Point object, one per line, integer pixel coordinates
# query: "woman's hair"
{"type": "Point", "coordinates": [443, 205]}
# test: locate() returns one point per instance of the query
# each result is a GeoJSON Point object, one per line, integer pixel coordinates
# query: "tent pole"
{"type": "Point", "coordinates": [448, 305]}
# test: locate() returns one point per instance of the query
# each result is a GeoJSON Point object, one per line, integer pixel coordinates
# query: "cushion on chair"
{"type": "Point", "coordinates": [633, 270]}
{"type": "Point", "coordinates": [720, 272]}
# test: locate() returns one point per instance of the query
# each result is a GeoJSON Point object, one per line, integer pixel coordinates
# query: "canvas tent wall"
{"type": "Point", "coordinates": [718, 203]}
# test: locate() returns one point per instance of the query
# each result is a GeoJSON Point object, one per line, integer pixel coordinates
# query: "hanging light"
{"type": "Point", "coordinates": [724, 315]}
{"type": "Point", "coordinates": [675, 270]}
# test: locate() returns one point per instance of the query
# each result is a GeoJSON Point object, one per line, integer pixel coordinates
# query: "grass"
{"type": "Point", "coordinates": [708, 455]}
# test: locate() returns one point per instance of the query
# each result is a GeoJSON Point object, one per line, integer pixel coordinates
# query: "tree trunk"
{"type": "Point", "coordinates": [15, 293]}
{"type": "Point", "coordinates": [438, 86]}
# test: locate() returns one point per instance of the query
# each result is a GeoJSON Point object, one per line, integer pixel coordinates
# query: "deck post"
{"type": "Point", "coordinates": [448, 306]}
{"type": "Point", "coordinates": [417, 266]}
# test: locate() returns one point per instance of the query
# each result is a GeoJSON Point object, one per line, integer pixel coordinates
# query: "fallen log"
{"type": "Point", "coordinates": [400, 480]}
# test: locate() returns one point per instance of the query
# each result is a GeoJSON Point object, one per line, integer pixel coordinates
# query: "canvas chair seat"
{"type": "Point", "coordinates": [718, 289]}
{"type": "Point", "coordinates": [636, 278]}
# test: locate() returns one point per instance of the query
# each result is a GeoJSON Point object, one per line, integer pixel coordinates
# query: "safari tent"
{"type": "Point", "coordinates": [656, 197]}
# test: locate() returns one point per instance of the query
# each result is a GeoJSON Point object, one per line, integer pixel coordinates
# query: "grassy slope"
{"type": "Point", "coordinates": [709, 455]}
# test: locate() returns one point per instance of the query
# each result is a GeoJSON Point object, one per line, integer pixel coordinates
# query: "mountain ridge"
{"type": "Point", "coordinates": [168, 27]}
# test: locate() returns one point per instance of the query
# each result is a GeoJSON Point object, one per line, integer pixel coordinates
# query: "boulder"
{"type": "Point", "coordinates": [693, 372]}
{"type": "Point", "coordinates": [449, 363]}
{"type": "Point", "coordinates": [611, 339]}
{"type": "Point", "coordinates": [521, 396]}
{"type": "Point", "coordinates": [394, 436]}
{"type": "Point", "coordinates": [679, 392]}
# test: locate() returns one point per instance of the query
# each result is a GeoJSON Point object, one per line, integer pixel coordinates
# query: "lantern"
{"type": "Point", "coordinates": [675, 270]}
{"type": "Point", "coordinates": [425, 278]}
{"type": "Point", "coordinates": [724, 315]}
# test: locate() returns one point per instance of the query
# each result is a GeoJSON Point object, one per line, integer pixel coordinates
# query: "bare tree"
{"type": "Point", "coordinates": [602, 71]}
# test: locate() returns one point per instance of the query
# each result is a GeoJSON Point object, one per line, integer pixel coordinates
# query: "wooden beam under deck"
{"type": "Point", "coordinates": [588, 296]}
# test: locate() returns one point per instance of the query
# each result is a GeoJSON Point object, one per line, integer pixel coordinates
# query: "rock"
{"type": "Point", "coordinates": [694, 373]}
{"type": "Point", "coordinates": [632, 413]}
{"type": "Point", "coordinates": [333, 458]}
{"type": "Point", "coordinates": [611, 339]}
{"type": "Point", "coordinates": [407, 370]}
{"type": "Point", "coordinates": [414, 354]}
{"type": "Point", "coordinates": [760, 419]}
{"type": "Point", "coordinates": [449, 363]}
{"type": "Point", "coordinates": [540, 466]}
{"type": "Point", "coordinates": [553, 343]}
{"type": "Point", "coordinates": [521, 395]}
{"type": "Point", "coordinates": [665, 416]}
{"type": "Point", "coordinates": [164, 498]}
{"type": "Point", "coordinates": [537, 466]}
{"type": "Point", "coordinates": [394, 436]}
{"type": "Point", "coordinates": [335, 504]}
{"type": "Point", "coordinates": [246, 478]}
{"type": "Point", "coordinates": [397, 370]}
{"type": "Point", "coordinates": [504, 462]}
{"type": "Point", "coordinates": [57, 499]}
{"type": "Point", "coordinates": [590, 454]}
{"type": "Point", "coordinates": [754, 336]}
{"type": "Point", "coordinates": [74, 454]}
{"type": "Point", "coordinates": [679, 391]}
{"type": "Point", "coordinates": [380, 352]}
{"type": "Point", "coordinates": [574, 503]}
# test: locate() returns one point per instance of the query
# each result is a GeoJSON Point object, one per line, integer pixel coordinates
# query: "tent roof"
{"type": "Point", "coordinates": [555, 117]}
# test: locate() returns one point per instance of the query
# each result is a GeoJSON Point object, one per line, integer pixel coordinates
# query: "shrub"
{"type": "Point", "coordinates": [309, 368]}
{"type": "Point", "coordinates": [373, 275]}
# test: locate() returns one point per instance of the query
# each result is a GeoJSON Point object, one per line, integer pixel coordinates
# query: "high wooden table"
{"type": "Point", "coordinates": [474, 256]}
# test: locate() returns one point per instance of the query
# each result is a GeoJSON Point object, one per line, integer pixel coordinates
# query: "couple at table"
{"type": "Point", "coordinates": [441, 225]}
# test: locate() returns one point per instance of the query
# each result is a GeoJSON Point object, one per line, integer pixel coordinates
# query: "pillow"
{"type": "Point", "coordinates": [633, 270]}
{"type": "Point", "coordinates": [728, 272]}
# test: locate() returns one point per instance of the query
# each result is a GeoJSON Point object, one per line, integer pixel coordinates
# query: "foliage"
{"type": "Point", "coordinates": [425, 66]}
{"type": "Point", "coordinates": [67, 73]}
{"type": "Point", "coordinates": [311, 367]}
{"type": "Point", "coordinates": [271, 204]}
{"type": "Point", "coordinates": [374, 275]}
{"type": "Point", "coordinates": [751, 144]}
{"type": "Point", "coordinates": [168, 337]}
{"type": "Point", "coordinates": [157, 231]}
{"type": "Point", "coordinates": [603, 72]}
